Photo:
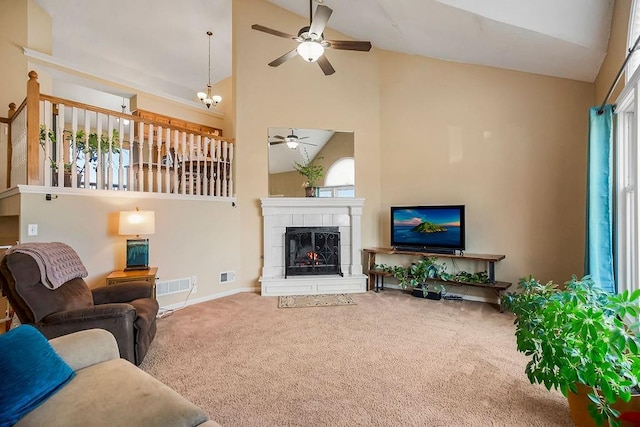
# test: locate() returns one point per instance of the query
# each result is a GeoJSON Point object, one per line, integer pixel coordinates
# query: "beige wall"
{"type": "Point", "coordinates": [616, 53]}
{"type": "Point", "coordinates": [192, 237]}
{"type": "Point", "coordinates": [13, 35]}
{"type": "Point", "coordinates": [509, 145]}
{"type": "Point", "coordinates": [300, 95]}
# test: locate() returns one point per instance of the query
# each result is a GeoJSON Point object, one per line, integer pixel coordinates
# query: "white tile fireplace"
{"type": "Point", "coordinates": [278, 213]}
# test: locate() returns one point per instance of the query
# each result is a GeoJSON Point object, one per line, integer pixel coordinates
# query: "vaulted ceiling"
{"type": "Point", "coordinates": [161, 44]}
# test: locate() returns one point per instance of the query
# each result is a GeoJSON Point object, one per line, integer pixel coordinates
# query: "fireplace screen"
{"type": "Point", "coordinates": [312, 250]}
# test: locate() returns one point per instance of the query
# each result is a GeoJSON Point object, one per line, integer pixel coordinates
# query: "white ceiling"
{"type": "Point", "coordinates": [161, 44]}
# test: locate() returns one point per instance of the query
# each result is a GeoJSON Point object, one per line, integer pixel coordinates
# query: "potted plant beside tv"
{"type": "Point", "coordinates": [416, 276]}
{"type": "Point", "coordinates": [579, 343]}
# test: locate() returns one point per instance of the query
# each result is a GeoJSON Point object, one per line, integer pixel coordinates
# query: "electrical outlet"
{"type": "Point", "coordinates": [194, 284]}
{"type": "Point", "coordinates": [195, 289]}
{"type": "Point", "coordinates": [32, 230]}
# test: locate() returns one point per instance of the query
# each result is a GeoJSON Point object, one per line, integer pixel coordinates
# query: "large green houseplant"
{"type": "Point", "coordinates": [577, 335]}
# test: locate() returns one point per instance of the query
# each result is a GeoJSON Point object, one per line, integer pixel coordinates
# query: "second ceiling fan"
{"type": "Point", "coordinates": [292, 140]}
{"type": "Point", "coordinates": [311, 42]}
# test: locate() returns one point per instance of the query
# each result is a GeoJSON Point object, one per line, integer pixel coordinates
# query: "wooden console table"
{"type": "Point", "coordinates": [376, 277]}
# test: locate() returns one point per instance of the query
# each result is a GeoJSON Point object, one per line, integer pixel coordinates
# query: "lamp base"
{"type": "Point", "coordinates": [137, 254]}
{"type": "Point", "coordinates": [141, 267]}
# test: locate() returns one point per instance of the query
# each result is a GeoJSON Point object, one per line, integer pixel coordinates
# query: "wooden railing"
{"type": "Point", "coordinates": [62, 143]}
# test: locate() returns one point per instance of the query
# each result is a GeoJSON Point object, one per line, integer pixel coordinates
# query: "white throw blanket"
{"type": "Point", "coordinates": [58, 262]}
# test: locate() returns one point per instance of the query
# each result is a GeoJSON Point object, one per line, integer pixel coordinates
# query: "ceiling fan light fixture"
{"type": "Point", "coordinates": [293, 144]}
{"type": "Point", "coordinates": [207, 98]}
{"type": "Point", "coordinates": [310, 50]}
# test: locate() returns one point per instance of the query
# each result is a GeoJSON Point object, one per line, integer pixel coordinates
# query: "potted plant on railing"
{"type": "Point", "coordinates": [579, 343]}
{"type": "Point", "coordinates": [312, 172]}
{"type": "Point", "coordinates": [87, 151]}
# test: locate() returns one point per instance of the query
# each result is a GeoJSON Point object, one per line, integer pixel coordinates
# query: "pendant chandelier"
{"type": "Point", "coordinates": [207, 97]}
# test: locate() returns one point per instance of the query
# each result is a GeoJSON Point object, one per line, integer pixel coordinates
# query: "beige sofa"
{"type": "Point", "coordinates": [109, 391]}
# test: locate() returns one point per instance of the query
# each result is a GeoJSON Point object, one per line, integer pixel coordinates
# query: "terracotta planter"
{"type": "Point", "coordinates": [578, 404]}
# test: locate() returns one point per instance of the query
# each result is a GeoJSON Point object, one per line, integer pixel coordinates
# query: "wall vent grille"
{"type": "Point", "coordinates": [176, 286]}
{"type": "Point", "coordinates": [227, 276]}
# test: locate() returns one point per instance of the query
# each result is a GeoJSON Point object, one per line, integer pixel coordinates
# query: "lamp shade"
{"type": "Point", "coordinates": [137, 223]}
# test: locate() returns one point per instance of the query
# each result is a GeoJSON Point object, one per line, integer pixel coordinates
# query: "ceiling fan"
{"type": "Point", "coordinates": [311, 41]}
{"type": "Point", "coordinates": [291, 140]}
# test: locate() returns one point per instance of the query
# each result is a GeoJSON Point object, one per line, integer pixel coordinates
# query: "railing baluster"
{"type": "Point", "coordinates": [132, 126]}
{"type": "Point", "coordinates": [59, 145]}
{"type": "Point", "coordinates": [167, 176]}
{"type": "Point", "coordinates": [119, 147]}
{"type": "Point", "coordinates": [183, 164]}
{"type": "Point", "coordinates": [99, 178]}
{"type": "Point", "coordinates": [47, 144]}
{"type": "Point", "coordinates": [109, 156]}
{"type": "Point", "coordinates": [158, 161]}
{"type": "Point", "coordinates": [225, 180]}
{"type": "Point", "coordinates": [140, 186]}
{"type": "Point", "coordinates": [176, 164]}
{"type": "Point", "coordinates": [218, 167]}
{"type": "Point", "coordinates": [73, 147]}
{"type": "Point", "coordinates": [230, 192]}
{"type": "Point", "coordinates": [86, 165]}
{"type": "Point", "coordinates": [191, 154]}
{"type": "Point", "coordinates": [150, 161]}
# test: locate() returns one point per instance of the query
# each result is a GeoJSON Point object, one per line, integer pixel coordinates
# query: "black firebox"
{"type": "Point", "coordinates": [312, 251]}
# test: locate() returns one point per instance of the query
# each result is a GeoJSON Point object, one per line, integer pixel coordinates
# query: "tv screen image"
{"type": "Point", "coordinates": [428, 227]}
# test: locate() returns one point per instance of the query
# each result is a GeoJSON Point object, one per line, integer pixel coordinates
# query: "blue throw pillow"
{"type": "Point", "coordinates": [30, 372]}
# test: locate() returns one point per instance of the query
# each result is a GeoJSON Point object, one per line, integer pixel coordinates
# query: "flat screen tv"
{"type": "Point", "coordinates": [437, 229]}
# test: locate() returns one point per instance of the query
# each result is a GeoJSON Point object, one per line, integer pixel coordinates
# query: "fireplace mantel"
{"type": "Point", "coordinates": [281, 212]}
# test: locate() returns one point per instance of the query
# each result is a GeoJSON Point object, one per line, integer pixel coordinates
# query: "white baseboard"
{"type": "Point", "coordinates": [193, 301]}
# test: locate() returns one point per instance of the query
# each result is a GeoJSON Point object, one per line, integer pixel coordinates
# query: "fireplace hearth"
{"type": "Point", "coordinates": [312, 251]}
{"type": "Point", "coordinates": [331, 264]}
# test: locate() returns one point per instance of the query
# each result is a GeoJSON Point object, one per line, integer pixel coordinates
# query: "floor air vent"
{"type": "Point", "coordinates": [169, 287]}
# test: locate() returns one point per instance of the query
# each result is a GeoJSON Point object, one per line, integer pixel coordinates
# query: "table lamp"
{"type": "Point", "coordinates": [137, 223]}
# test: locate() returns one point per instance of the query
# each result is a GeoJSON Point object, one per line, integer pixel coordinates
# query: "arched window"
{"type": "Point", "coordinates": [341, 172]}
{"type": "Point", "coordinates": [634, 32]}
{"type": "Point", "coordinates": [340, 179]}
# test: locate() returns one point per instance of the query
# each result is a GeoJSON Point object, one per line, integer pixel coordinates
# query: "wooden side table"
{"type": "Point", "coordinates": [120, 276]}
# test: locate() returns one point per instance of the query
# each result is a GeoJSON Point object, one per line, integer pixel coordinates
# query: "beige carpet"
{"type": "Point", "coordinates": [301, 301]}
{"type": "Point", "coordinates": [390, 360]}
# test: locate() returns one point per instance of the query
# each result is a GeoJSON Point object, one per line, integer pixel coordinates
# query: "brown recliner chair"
{"type": "Point", "coordinates": [127, 310]}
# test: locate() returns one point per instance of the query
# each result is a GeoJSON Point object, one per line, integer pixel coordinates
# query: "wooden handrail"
{"type": "Point", "coordinates": [16, 111]}
{"type": "Point", "coordinates": [137, 119]}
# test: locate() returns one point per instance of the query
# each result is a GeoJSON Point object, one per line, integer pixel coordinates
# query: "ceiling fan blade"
{"type": "Point", "coordinates": [275, 142]}
{"type": "Point", "coordinates": [272, 31]}
{"type": "Point", "coordinates": [324, 63]}
{"type": "Point", "coordinates": [320, 19]}
{"type": "Point", "coordinates": [307, 143]}
{"type": "Point", "coordinates": [349, 45]}
{"type": "Point", "coordinates": [278, 137]}
{"type": "Point", "coordinates": [284, 58]}
{"type": "Point", "coordinates": [303, 137]}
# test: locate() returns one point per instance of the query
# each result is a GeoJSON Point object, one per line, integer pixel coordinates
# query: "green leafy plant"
{"type": "Point", "coordinates": [88, 149]}
{"type": "Point", "coordinates": [465, 277]}
{"type": "Point", "coordinates": [416, 275]}
{"type": "Point", "coordinates": [577, 335]}
{"type": "Point", "coordinates": [312, 171]}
